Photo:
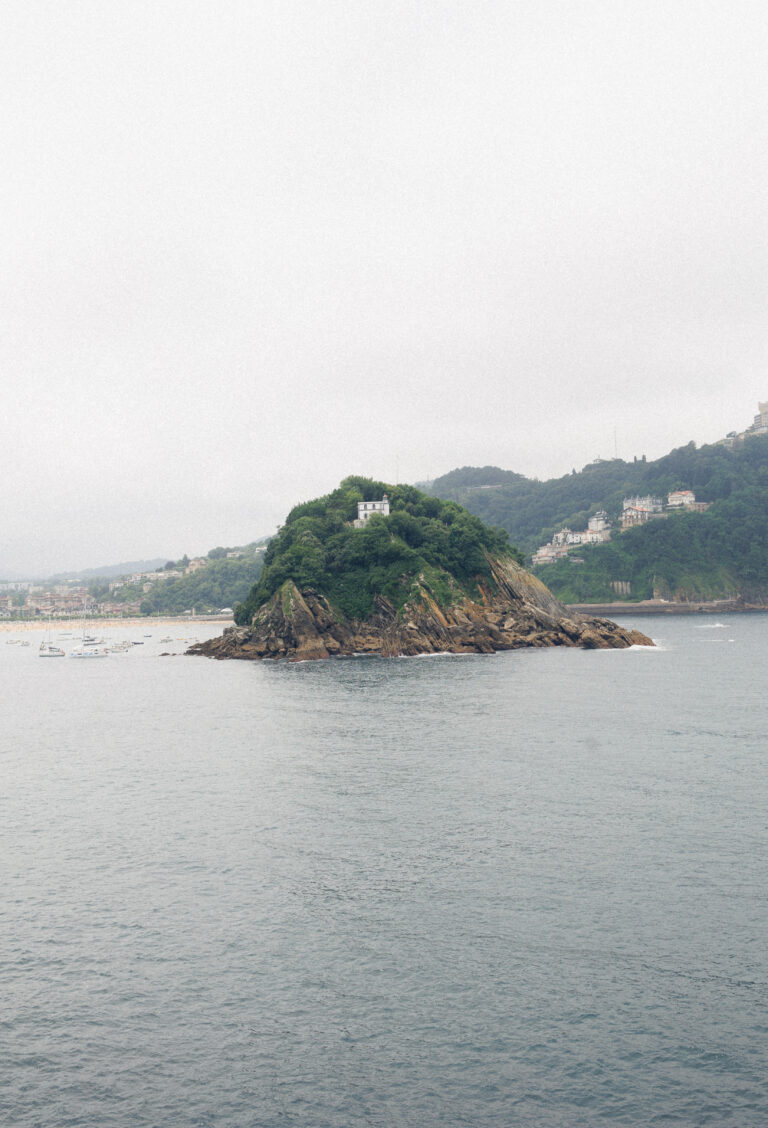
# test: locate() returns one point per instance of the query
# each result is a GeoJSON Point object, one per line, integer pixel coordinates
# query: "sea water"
{"type": "Point", "coordinates": [526, 889]}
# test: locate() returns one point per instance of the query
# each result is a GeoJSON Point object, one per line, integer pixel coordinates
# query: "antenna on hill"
{"type": "Point", "coordinates": [615, 445]}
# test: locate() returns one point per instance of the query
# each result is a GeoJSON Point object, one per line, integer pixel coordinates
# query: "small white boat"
{"type": "Point", "coordinates": [48, 648]}
{"type": "Point", "coordinates": [88, 648]}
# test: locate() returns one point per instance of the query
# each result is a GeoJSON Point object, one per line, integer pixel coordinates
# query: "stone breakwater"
{"type": "Point", "coordinates": [669, 607]}
{"type": "Point", "coordinates": [516, 611]}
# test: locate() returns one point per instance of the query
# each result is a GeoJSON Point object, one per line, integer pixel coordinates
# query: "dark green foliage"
{"type": "Point", "coordinates": [689, 555]}
{"type": "Point", "coordinates": [476, 478]}
{"type": "Point", "coordinates": [318, 548]}
{"type": "Point", "coordinates": [527, 508]}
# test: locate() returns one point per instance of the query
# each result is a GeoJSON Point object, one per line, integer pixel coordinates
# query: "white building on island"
{"type": "Point", "coordinates": [366, 510]}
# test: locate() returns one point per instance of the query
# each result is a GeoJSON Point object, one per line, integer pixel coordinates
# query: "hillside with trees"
{"type": "Point", "coordinates": [221, 582]}
{"type": "Point", "coordinates": [717, 554]}
{"type": "Point", "coordinates": [423, 539]}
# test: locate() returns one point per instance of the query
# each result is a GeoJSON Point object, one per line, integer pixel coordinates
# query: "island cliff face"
{"type": "Point", "coordinates": [512, 611]}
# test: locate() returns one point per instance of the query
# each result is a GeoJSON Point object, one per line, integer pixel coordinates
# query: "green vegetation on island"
{"type": "Point", "coordinates": [423, 539]}
{"type": "Point", "coordinates": [719, 554]}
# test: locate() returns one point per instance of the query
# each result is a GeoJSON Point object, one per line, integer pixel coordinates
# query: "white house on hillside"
{"type": "Point", "coordinates": [366, 510]}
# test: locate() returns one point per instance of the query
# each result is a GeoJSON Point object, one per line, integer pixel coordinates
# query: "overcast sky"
{"type": "Point", "coordinates": [249, 248]}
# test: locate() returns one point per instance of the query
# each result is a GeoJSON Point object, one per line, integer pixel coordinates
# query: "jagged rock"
{"type": "Point", "coordinates": [518, 612]}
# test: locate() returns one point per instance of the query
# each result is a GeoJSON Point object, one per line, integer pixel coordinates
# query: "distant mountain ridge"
{"type": "Point", "coordinates": [112, 570]}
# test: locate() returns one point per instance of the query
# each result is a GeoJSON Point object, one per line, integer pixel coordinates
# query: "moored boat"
{"type": "Point", "coordinates": [88, 647]}
{"type": "Point", "coordinates": [48, 650]}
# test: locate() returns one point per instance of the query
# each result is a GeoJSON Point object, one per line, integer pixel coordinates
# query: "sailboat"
{"type": "Point", "coordinates": [86, 649]}
{"type": "Point", "coordinates": [48, 648]}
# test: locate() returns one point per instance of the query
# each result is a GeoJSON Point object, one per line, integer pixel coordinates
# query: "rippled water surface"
{"type": "Point", "coordinates": [520, 890]}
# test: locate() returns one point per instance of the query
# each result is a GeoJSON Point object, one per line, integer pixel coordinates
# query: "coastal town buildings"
{"type": "Point", "coordinates": [686, 499]}
{"type": "Point", "coordinates": [638, 510]}
{"type": "Point", "coordinates": [548, 554]}
{"type": "Point", "coordinates": [680, 497]}
{"type": "Point", "coordinates": [30, 600]}
{"type": "Point", "coordinates": [45, 604]}
{"type": "Point", "coordinates": [598, 530]}
{"type": "Point", "coordinates": [635, 511]}
{"type": "Point", "coordinates": [102, 595]}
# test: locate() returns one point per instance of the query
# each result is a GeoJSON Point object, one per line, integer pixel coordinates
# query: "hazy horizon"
{"type": "Point", "coordinates": [156, 558]}
{"type": "Point", "coordinates": [253, 248]}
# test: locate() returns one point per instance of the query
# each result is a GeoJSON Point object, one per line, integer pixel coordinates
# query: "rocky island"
{"type": "Point", "coordinates": [388, 570]}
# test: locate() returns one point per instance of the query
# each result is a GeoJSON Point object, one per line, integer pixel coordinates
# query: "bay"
{"type": "Point", "coordinates": [527, 889]}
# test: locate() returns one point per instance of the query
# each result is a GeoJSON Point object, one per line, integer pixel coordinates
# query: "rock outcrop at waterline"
{"type": "Point", "coordinates": [518, 612]}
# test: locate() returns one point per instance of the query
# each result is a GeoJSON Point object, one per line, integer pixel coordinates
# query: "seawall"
{"type": "Point", "coordinates": [666, 607]}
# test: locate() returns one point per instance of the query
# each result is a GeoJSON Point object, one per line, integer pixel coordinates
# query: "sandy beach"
{"type": "Point", "coordinates": [67, 626]}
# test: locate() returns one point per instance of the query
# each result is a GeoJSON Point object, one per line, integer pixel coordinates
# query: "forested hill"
{"type": "Point", "coordinates": [423, 541]}
{"type": "Point", "coordinates": [697, 555]}
{"type": "Point", "coordinates": [221, 582]}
